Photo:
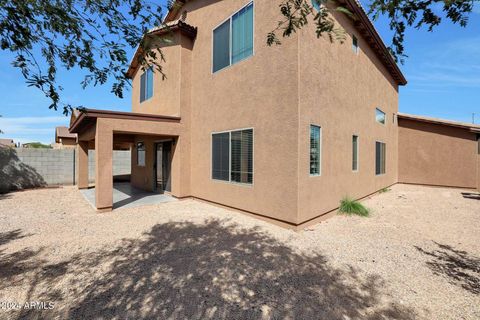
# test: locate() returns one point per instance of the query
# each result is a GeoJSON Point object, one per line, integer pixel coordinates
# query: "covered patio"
{"type": "Point", "coordinates": [105, 131]}
{"type": "Point", "coordinates": [127, 196]}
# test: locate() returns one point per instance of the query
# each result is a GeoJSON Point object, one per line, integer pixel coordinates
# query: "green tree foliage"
{"type": "Point", "coordinates": [400, 13]}
{"type": "Point", "coordinates": [92, 35]}
{"type": "Point", "coordinates": [45, 35]}
{"type": "Point", "coordinates": [37, 145]}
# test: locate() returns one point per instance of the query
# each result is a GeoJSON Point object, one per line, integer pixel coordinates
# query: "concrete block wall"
{"type": "Point", "coordinates": [59, 166]}
{"type": "Point", "coordinates": [121, 163]}
{"type": "Point", "coordinates": [56, 166]}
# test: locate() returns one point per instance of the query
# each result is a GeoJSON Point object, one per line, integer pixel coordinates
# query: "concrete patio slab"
{"type": "Point", "coordinates": [126, 196]}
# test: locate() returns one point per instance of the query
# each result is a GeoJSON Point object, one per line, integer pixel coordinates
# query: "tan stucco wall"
{"type": "Point", "coordinates": [261, 93]}
{"type": "Point", "coordinates": [339, 91]}
{"type": "Point", "coordinates": [437, 155]}
{"type": "Point", "coordinates": [278, 92]}
{"type": "Point", "coordinates": [166, 92]}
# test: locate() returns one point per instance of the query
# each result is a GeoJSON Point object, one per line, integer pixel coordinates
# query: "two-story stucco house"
{"type": "Point", "coordinates": [279, 132]}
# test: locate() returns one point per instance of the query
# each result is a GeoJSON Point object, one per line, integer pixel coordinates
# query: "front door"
{"type": "Point", "coordinates": [163, 156]}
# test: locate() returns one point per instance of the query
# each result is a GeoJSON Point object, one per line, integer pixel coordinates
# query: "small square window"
{"type": "Point", "coordinates": [380, 116]}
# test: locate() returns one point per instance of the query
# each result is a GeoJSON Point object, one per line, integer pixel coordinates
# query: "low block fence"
{"type": "Point", "coordinates": [22, 168]}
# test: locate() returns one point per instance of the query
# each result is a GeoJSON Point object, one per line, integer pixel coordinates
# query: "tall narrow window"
{"type": "Point", "coordinates": [242, 156]}
{"type": "Point", "coordinates": [141, 154]}
{"type": "Point", "coordinates": [221, 46]}
{"type": "Point", "coordinates": [380, 116]}
{"type": "Point", "coordinates": [221, 156]}
{"type": "Point", "coordinates": [380, 155]}
{"type": "Point", "coordinates": [146, 84]}
{"type": "Point", "coordinates": [233, 39]}
{"type": "Point", "coordinates": [232, 156]}
{"type": "Point", "coordinates": [355, 47]}
{"type": "Point", "coordinates": [315, 145]}
{"type": "Point", "coordinates": [355, 153]}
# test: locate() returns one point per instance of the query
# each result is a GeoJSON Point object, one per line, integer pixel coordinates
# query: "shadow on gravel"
{"type": "Point", "coordinates": [208, 271]}
{"type": "Point", "coordinates": [458, 266]}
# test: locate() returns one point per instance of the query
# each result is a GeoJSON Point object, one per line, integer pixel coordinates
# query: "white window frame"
{"type": "Point", "coordinates": [358, 152]}
{"type": "Point", "coordinates": [320, 145]}
{"type": "Point", "coordinates": [145, 155]}
{"type": "Point", "coordinates": [384, 114]}
{"type": "Point", "coordinates": [146, 82]}
{"type": "Point", "coordinates": [245, 184]}
{"type": "Point", "coordinates": [357, 47]}
{"type": "Point", "coordinates": [230, 37]}
{"type": "Point", "coordinates": [375, 167]}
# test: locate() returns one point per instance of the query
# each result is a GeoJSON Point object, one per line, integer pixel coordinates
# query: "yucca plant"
{"type": "Point", "coordinates": [349, 206]}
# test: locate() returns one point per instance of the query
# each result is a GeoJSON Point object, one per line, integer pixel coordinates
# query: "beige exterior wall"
{"type": "Point", "coordinates": [166, 93]}
{"type": "Point", "coordinates": [279, 92]}
{"type": "Point", "coordinates": [435, 154]}
{"type": "Point", "coordinates": [339, 91]}
{"type": "Point", "coordinates": [261, 93]}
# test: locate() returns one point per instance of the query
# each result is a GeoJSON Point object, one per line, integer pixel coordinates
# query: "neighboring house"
{"type": "Point", "coordinates": [64, 139]}
{"type": "Point", "coordinates": [7, 143]}
{"type": "Point", "coordinates": [280, 132]}
{"type": "Point", "coordinates": [438, 152]}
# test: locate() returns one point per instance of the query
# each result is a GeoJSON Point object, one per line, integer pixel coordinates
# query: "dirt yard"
{"type": "Point", "coordinates": [416, 257]}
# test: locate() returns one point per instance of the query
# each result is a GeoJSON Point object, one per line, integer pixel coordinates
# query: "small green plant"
{"type": "Point", "coordinates": [384, 190]}
{"type": "Point", "coordinates": [349, 206]}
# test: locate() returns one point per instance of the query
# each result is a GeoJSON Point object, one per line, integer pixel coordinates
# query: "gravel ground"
{"type": "Point", "coordinates": [416, 257]}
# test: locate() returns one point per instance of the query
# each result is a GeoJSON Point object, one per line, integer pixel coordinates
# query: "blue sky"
{"type": "Point", "coordinates": [442, 68]}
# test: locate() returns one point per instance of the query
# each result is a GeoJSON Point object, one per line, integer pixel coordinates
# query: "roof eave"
{"type": "Point", "coordinates": [180, 26]}
{"type": "Point", "coordinates": [471, 127]}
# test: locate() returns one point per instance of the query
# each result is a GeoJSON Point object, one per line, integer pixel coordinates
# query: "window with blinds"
{"type": "Point", "coordinates": [233, 39]}
{"type": "Point", "coordinates": [355, 153]}
{"type": "Point", "coordinates": [315, 145]}
{"type": "Point", "coordinates": [221, 156]}
{"type": "Point", "coordinates": [232, 156]}
{"type": "Point", "coordinates": [380, 155]}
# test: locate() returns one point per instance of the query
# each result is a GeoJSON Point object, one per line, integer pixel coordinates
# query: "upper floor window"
{"type": "Point", "coordinates": [233, 39]}
{"type": "Point", "coordinates": [315, 145]}
{"type": "Point", "coordinates": [380, 116]}
{"type": "Point", "coordinates": [355, 46]}
{"type": "Point", "coordinates": [316, 4]}
{"type": "Point", "coordinates": [146, 85]}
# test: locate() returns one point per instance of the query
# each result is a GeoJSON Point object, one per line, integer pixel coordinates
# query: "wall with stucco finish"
{"type": "Point", "coordinates": [339, 91]}
{"type": "Point", "coordinates": [436, 154]}
{"type": "Point", "coordinates": [166, 92]}
{"type": "Point", "coordinates": [261, 93]}
{"type": "Point", "coordinates": [279, 92]}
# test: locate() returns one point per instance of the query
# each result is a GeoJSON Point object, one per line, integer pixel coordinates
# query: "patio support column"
{"type": "Point", "coordinates": [82, 164]}
{"type": "Point", "coordinates": [103, 166]}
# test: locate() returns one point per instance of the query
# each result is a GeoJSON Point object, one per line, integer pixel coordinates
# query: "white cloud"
{"type": "Point", "coordinates": [28, 129]}
{"type": "Point", "coordinates": [450, 64]}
